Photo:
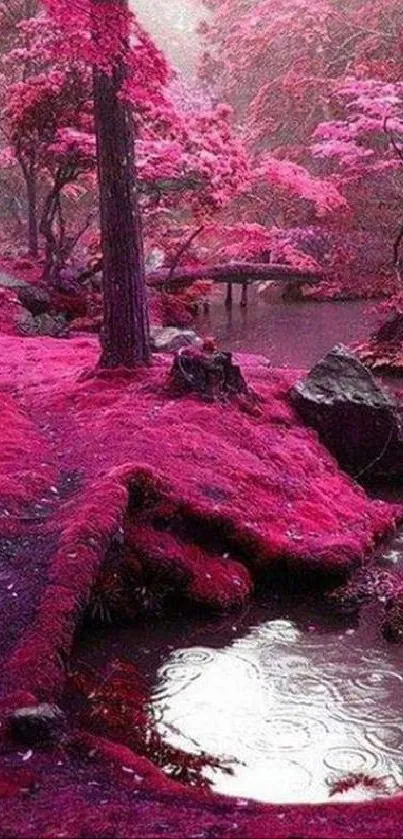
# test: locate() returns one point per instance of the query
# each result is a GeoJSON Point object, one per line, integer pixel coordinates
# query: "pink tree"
{"type": "Point", "coordinates": [364, 146]}
{"type": "Point", "coordinates": [47, 110]}
{"type": "Point", "coordinates": [280, 64]}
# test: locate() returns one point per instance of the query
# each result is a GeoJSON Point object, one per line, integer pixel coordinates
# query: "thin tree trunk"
{"type": "Point", "coordinates": [46, 228]}
{"type": "Point", "coordinates": [126, 329]}
{"type": "Point", "coordinates": [32, 199]}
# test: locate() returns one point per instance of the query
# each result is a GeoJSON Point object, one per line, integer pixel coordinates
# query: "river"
{"type": "Point", "coordinates": [294, 694]}
{"type": "Point", "coordinates": [290, 334]}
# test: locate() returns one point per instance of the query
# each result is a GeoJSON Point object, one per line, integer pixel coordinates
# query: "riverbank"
{"type": "Point", "coordinates": [206, 501]}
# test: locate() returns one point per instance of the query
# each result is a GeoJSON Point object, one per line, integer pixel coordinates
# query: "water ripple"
{"type": "Point", "coordinates": [354, 760]}
{"type": "Point", "coordinates": [293, 708]}
{"type": "Point", "coordinates": [288, 733]}
{"type": "Point", "coordinates": [379, 681]}
{"type": "Point", "coordinates": [385, 738]}
{"type": "Point", "coordinates": [195, 655]}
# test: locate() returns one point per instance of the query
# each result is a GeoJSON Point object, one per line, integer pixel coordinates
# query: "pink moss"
{"type": "Point", "coordinates": [383, 351]}
{"type": "Point", "coordinates": [11, 312]}
{"type": "Point", "coordinates": [199, 489]}
{"type": "Point", "coordinates": [36, 663]}
{"type": "Point", "coordinates": [116, 709]}
{"type": "Point", "coordinates": [26, 467]}
{"type": "Point", "coordinates": [14, 782]}
{"type": "Point", "coordinates": [262, 485]}
{"type": "Point", "coordinates": [22, 267]}
{"type": "Point", "coordinates": [198, 575]}
{"type": "Point", "coordinates": [122, 759]}
{"type": "Point", "coordinates": [98, 788]}
{"type": "Point", "coordinates": [178, 309]}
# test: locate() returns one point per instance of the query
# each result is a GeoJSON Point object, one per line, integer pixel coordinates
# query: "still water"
{"type": "Point", "coordinates": [291, 334]}
{"type": "Point", "coordinates": [293, 696]}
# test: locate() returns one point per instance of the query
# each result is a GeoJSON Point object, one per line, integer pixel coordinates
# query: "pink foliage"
{"type": "Point", "coordinates": [291, 509]}
{"type": "Point", "coordinates": [261, 485]}
{"type": "Point", "coordinates": [294, 71]}
{"type": "Point", "coordinates": [24, 476]}
{"type": "Point", "coordinates": [296, 181]}
{"type": "Point", "coordinates": [372, 108]}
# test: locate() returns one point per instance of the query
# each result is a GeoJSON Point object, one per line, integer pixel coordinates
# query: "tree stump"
{"type": "Point", "coordinates": [211, 375]}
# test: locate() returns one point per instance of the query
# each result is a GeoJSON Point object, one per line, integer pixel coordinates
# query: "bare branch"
{"type": "Point", "coordinates": [182, 250]}
{"type": "Point", "coordinates": [397, 149]}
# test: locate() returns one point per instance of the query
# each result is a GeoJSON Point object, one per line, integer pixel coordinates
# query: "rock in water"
{"type": "Point", "coordinates": [39, 725]}
{"type": "Point", "coordinates": [358, 421]}
{"type": "Point", "coordinates": [172, 339]}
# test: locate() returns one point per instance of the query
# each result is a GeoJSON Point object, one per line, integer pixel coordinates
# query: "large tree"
{"type": "Point", "coordinates": [180, 151]}
{"type": "Point", "coordinates": [189, 164]}
{"type": "Point", "coordinates": [125, 329]}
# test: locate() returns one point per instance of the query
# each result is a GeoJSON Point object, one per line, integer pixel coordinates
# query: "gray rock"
{"type": "Point", "coordinates": [170, 338]}
{"type": "Point", "coordinates": [7, 281]}
{"type": "Point", "coordinates": [53, 325]}
{"type": "Point", "coordinates": [211, 375]}
{"type": "Point", "coordinates": [26, 323]}
{"type": "Point", "coordinates": [35, 299]}
{"type": "Point", "coordinates": [39, 725]}
{"type": "Point", "coordinates": [356, 419]}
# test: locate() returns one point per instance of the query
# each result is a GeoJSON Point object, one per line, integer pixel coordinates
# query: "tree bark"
{"type": "Point", "coordinates": [125, 335]}
{"type": "Point", "coordinates": [32, 199]}
{"type": "Point", "coordinates": [29, 171]}
{"type": "Point", "coordinates": [53, 261]}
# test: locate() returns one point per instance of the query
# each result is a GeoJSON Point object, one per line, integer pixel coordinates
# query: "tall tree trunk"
{"type": "Point", "coordinates": [32, 199]}
{"type": "Point", "coordinates": [126, 328]}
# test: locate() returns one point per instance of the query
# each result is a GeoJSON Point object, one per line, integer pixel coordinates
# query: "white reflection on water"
{"type": "Point", "coordinates": [297, 710]}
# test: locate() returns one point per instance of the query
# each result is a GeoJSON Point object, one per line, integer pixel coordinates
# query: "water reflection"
{"type": "Point", "coordinates": [297, 709]}
{"type": "Point", "coordinates": [291, 334]}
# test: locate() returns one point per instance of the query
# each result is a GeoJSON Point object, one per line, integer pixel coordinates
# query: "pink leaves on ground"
{"type": "Point", "coordinates": [26, 468]}
{"type": "Point", "coordinates": [261, 490]}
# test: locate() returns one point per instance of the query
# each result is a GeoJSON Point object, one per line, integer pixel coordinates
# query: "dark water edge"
{"type": "Point", "coordinates": [292, 335]}
{"type": "Point", "coordinates": [296, 694]}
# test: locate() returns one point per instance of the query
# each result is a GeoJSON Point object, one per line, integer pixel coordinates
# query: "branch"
{"type": "Point", "coordinates": [183, 250]}
{"type": "Point", "coordinates": [339, 54]}
{"type": "Point", "coordinates": [167, 185]}
{"type": "Point", "coordinates": [397, 149]}
{"type": "Point", "coordinates": [82, 230]}
{"type": "Point", "coordinates": [96, 268]}
{"type": "Point", "coordinates": [396, 249]}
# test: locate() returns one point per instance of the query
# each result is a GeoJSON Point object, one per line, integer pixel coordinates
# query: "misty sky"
{"type": "Point", "coordinates": [172, 23]}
